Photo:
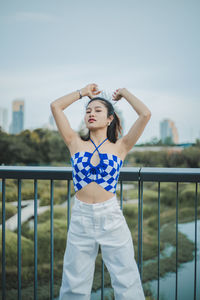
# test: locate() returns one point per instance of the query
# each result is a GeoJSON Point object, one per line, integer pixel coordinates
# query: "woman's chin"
{"type": "Point", "coordinates": [91, 126]}
{"type": "Point", "coordinates": [94, 126]}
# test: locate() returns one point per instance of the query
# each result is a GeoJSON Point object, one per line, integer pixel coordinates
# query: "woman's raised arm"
{"type": "Point", "coordinates": [130, 139]}
{"type": "Point", "coordinates": [61, 103]}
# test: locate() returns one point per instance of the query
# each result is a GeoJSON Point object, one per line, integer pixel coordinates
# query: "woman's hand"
{"type": "Point", "coordinates": [118, 94]}
{"type": "Point", "coordinates": [90, 90]}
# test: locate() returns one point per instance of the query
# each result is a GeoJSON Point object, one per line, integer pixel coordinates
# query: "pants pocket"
{"type": "Point", "coordinates": [118, 216]}
{"type": "Point", "coordinates": [108, 221]}
{"type": "Point", "coordinates": [75, 223]}
{"type": "Point", "coordinates": [113, 219]}
{"type": "Point", "coordinates": [86, 222]}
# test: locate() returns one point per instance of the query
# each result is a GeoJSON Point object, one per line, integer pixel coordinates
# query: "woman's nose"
{"type": "Point", "coordinates": [91, 114]}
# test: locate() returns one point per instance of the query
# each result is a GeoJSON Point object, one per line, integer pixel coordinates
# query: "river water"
{"type": "Point", "coordinates": [185, 272]}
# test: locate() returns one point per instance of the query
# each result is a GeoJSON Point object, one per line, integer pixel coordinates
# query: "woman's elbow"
{"type": "Point", "coordinates": [147, 114]}
{"type": "Point", "coordinates": [53, 106]}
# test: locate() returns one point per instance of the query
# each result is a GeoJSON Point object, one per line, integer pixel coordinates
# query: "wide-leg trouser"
{"type": "Point", "coordinates": [92, 225]}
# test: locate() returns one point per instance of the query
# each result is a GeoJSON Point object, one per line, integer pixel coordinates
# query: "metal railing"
{"type": "Point", "coordinates": [129, 174]}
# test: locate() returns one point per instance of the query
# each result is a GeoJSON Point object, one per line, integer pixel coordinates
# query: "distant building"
{"type": "Point", "coordinates": [169, 131]}
{"type": "Point", "coordinates": [51, 125]}
{"type": "Point", "coordinates": [4, 119]}
{"type": "Point", "coordinates": [52, 122]}
{"type": "Point", "coordinates": [17, 124]}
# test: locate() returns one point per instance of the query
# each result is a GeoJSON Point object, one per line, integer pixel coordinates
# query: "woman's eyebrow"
{"type": "Point", "coordinates": [94, 107]}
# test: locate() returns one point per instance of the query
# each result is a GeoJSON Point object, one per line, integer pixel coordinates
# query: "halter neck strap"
{"type": "Point", "coordinates": [96, 147]}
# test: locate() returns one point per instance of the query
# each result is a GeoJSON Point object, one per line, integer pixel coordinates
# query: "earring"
{"type": "Point", "coordinates": [108, 124]}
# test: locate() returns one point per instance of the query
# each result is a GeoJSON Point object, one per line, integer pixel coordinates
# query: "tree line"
{"type": "Point", "coordinates": [40, 146]}
{"type": "Point", "coordinates": [189, 157]}
{"type": "Point", "coordinates": [46, 147]}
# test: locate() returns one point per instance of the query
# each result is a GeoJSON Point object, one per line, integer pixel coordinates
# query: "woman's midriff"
{"type": "Point", "coordinates": [93, 193]}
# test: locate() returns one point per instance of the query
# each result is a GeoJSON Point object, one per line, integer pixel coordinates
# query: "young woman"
{"type": "Point", "coordinates": [96, 217]}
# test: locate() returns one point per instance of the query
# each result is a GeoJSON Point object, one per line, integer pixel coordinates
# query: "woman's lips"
{"type": "Point", "coordinates": [91, 120]}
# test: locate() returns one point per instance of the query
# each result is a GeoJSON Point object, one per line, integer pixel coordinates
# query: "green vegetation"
{"type": "Point", "coordinates": [130, 210]}
{"type": "Point", "coordinates": [10, 211]}
{"type": "Point", "coordinates": [46, 147]}
{"type": "Point", "coordinates": [40, 146]}
{"type": "Point", "coordinates": [27, 193]}
{"type": "Point", "coordinates": [187, 158]}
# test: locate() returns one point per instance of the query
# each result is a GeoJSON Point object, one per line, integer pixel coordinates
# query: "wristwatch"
{"type": "Point", "coordinates": [80, 94]}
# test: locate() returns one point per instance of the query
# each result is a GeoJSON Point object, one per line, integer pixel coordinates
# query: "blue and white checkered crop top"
{"type": "Point", "coordinates": [106, 173]}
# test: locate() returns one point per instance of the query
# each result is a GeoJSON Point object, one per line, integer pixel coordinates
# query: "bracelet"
{"type": "Point", "coordinates": [80, 94]}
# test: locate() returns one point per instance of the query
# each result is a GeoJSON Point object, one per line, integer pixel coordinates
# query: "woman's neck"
{"type": "Point", "coordinates": [98, 136]}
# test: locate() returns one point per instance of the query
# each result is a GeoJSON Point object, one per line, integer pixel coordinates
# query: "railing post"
{"type": "Point", "coordinates": [141, 233]}
{"type": "Point", "coordinates": [52, 246]}
{"type": "Point", "coordinates": [121, 194]}
{"type": "Point", "coordinates": [195, 261]}
{"type": "Point", "coordinates": [139, 209]}
{"type": "Point", "coordinates": [68, 202]}
{"type": "Point", "coordinates": [176, 291]}
{"type": "Point", "coordinates": [35, 239]}
{"type": "Point", "coordinates": [3, 241]}
{"type": "Point", "coordinates": [102, 279]}
{"type": "Point", "coordinates": [140, 223]}
{"type": "Point", "coordinates": [19, 240]}
{"type": "Point", "coordinates": [158, 288]}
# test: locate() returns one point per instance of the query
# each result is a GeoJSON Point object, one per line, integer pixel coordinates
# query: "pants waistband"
{"type": "Point", "coordinates": [96, 206]}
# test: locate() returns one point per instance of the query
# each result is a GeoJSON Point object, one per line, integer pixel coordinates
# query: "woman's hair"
{"type": "Point", "coordinates": [114, 128]}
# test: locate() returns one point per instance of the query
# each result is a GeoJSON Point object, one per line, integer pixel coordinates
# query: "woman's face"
{"type": "Point", "coordinates": [96, 115]}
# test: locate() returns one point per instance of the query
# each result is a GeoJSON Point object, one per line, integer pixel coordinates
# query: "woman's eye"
{"type": "Point", "coordinates": [87, 112]}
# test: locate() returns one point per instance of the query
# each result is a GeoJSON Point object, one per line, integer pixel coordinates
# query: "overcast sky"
{"type": "Point", "coordinates": [51, 48]}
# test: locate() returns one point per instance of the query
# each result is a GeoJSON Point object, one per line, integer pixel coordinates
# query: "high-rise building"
{"type": "Point", "coordinates": [168, 130]}
{"type": "Point", "coordinates": [51, 125]}
{"type": "Point", "coordinates": [17, 124]}
{"type": "Point", "coordinates": [4, 119]}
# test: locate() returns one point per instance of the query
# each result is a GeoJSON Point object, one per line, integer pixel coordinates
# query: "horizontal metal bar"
{"type": "Point", "coordinates": [129, 174]}
{"type": "Point", "coordinates": [64, 173]}
{"type": "Point", "coordinates": [36, 172]}
{"type": "Point", "coordinates": [170, 174]}
{"type": "Point", "coordinates": [126, 173]}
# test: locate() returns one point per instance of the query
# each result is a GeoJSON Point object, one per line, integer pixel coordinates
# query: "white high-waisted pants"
{"type": "Point", "coordinates": [92, 225]}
